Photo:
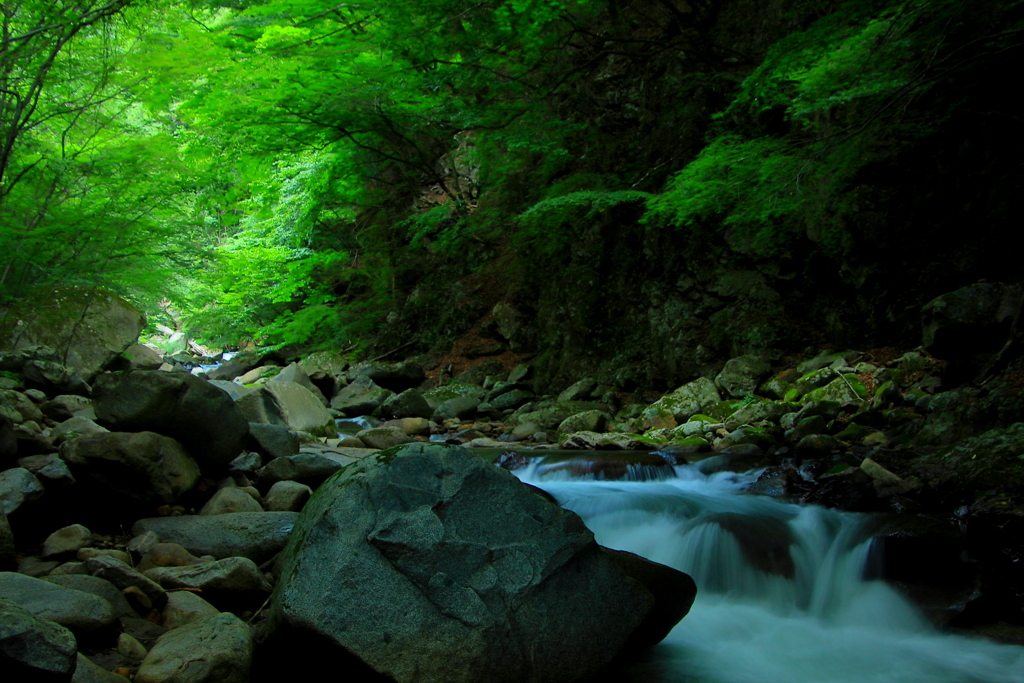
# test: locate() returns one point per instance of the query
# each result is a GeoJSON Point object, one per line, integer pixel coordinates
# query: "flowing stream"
{"type": "Point", "coordinates": [782, 595]}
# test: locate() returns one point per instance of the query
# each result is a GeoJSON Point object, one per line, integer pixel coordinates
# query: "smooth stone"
{"type": "Point", "coordinates": [228, 583]}
{"type": "Point", "coordinates": [228, 501]}
{"type": "Point", "coordinates": [124, 577]}
{"type": "Point", "coordinates": [18, 486]}
{"type": "Point", "coordinates": [98, 587]}
{"type": "Point", "coordinates": [287, 496]}
{"type": "Point", "coordinates": [256, 535]}
{"type": "Point", "coordinates": [88, 616]}
{"type": "Point", "coordinates": [217, 649]}
{"type": "Point", "coordinates": [184, 607]}
{"type": "Point", "coordinates": [69, 539]}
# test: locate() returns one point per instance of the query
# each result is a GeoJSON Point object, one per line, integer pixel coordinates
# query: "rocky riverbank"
{"type": "Point", "coordinates": [146, 507]}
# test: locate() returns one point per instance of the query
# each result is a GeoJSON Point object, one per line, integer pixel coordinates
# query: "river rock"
{"type": "Point", "coordinates": [761, 410]}
{"type": "Point", "coordinates": [383, 437]}
{"type": "Point", "coordinates": [409, 403]}
{"type": "Point", "coordinates": [579, 391]}
{"type": "Point", "coordinates": [240, 364]}
{"type": "Point", "coordinates": [551, 416]}
{"type": "Point", "coordinates": [49, 469]}
{"type": "Point", "coordinates": [231, 583]}
{"type": "Point", "coordinates": [511, 399]}
{"type": "Point", "coordinates": [746, 435]}
{"type": "Point", "coordinates": [361, 397]}
{"type": "Point", "coordinates": [295, 373]}
{"type": "Point", "coordinates": [65, 407]}
{"type": "Point", "coordinates": [817, 446]}
{"type": "Point", "coordinates": [33, 649]}
{"type": "Point", "coordinates": [673, 591]}
{"type": "Point", "coordinates": [123, 576]}
{"type": "Point", "coordinates": [290, 405]}
{"type": "Point", "coordinates": [142, 357]}
{"type": "Point", "coordinates": [741, 375]}
{"type": "Point", "coordinates": [682, 403]}
{"type": "Point", "coordinates": [588, 421]}
{"type": "Point", "coordinates": [166, 555]}
{"type": "Point", "coordinates": [415, 558]}
{"type": "Point", "coordinates": [256, 535]}
{"type": "Point", "coordinates": [101, 588]}
{"type": "Point", "coordinates": [73, 428]}
{"type": "Point", "coordinates": [217, 649]}
{"type": "Point", "coordinates": [201, 417]}
{"type": "Point", "coordinates": [185, 607]}
{"type": "Point", "coordinates": [287, 496]}
{"type": "Point", "coordinates": [613, 441]}
{"type": "Point", "coordinates": [145, 468]}
{"type": "Point", "coordinates": [65, 541]}
{"type": "Point", "coordinates": [23, 404]}
{"type": "Point", "coordinates": [395, 377]}
{"type": "Point", "coordinates": [272, 441]}
{"type": "Point", "coordinates": [969, 324]}
{"type": "Point", "coordinates": [459, 408]}
{"type": "Point", "coordinates": [88, 672]}
{"type": "Point", "coordinates": [229, 500]}
{"type": "Point", "coordinates": [235, 391]}
{"type": "Point", "coordinates": [89, 617]}
{"type": "Point", "coordinates": [18, 486]}
{"type": "Point", "coordinates": [413, 426]}
{"type": "Point", "coordinates": [439, 395]}
{"type": "Point", "coordinates": [308, 468]}
{"type": "Point", "coordinates": [842, 389]}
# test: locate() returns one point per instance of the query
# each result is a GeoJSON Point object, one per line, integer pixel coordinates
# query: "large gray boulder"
{"type": "Point", "coordinates": [201, 417]}
{"type": "Point", "coordinates": [256, 535]}
{"type": "Point", "coordinates": [33, 649]}
{"type": "Point", "coordinates": [290, 405]}
{"type": "Point", "coordinates": [88, 328]}
{"type": "Point", "coordinates": [425, 555]}
{"type": "Point", "coordinates": [145, 468]}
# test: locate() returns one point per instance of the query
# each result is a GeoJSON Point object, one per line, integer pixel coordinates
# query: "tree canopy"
{"type": "Point", "coordinates": [283, 169]}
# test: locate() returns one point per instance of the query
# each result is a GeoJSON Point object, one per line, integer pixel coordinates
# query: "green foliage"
{"type": "Point", "coordinates": [748, 183]}
{"type": "Point", "coordinates": [824, 104]}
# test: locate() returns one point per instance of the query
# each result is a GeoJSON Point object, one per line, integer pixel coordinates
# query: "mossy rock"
{"type": "Point", "coordinates": [723, 409]}
{"type": "Point", "coordinates": [843, 388]}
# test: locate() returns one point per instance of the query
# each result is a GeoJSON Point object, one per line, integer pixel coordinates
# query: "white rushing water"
{"type": "Point", "coordinates": [782, 598]}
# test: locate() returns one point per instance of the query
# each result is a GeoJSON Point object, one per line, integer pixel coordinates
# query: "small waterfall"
{"type": "Point", "coordinates": [782, 597]}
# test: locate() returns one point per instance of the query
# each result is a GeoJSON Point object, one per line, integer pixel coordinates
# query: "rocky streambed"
{"type": "Point", "coordinates": [148, 508]}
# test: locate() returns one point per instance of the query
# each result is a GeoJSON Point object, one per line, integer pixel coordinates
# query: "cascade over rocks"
{"type": "Point", "coordinates": [201, 417]}
{"type": "Point", "coordinates": [425, 553]}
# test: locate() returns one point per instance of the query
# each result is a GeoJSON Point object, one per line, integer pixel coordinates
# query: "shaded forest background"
{"type": "Point", "coordinates": [632, 189]}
